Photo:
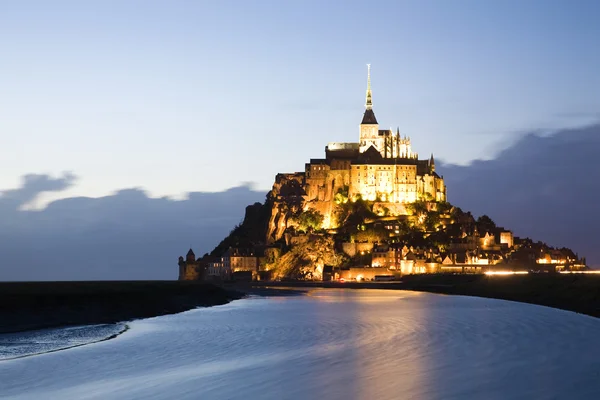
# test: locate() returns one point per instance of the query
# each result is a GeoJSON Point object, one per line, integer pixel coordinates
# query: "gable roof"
{"type": "Point", "coordinates": [370, 156]}
{"type": "Point", "coordinates": [369, 118]}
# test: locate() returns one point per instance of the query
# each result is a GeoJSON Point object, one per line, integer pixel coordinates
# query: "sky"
{"type": "Point", "coordinates": [182, 96]}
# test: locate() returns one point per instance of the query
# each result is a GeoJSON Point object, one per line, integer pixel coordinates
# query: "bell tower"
{"type": "Point", "coordinates": [369, 128]}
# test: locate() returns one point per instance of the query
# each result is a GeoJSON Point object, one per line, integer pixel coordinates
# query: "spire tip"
{"type": "Point", "coordinates": [369, 103]}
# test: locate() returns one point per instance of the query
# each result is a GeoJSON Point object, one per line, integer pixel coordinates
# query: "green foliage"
{"type": "Point", "coordinates": [417, 208]}
{"type": "Point", "coordinates": [440, 240]}
{"type": "Point", "coordinates": [358, 260]}
{"type": "Point", "coordinates": [383, 211]}
{"type": "Point", "coordinates": [403, 228]}
{"type": "Point", "coordinates": [341, 197]}
{"type": "Point", "coordinates": [309, 220]}
{"type": "Point", "coordinates": [371, 234]}
{"type": "Point", "coordinates": [444, 208]}
{"type": "Point", "coordinates": [432, 220]}
{"type": "Point", "coordinates": [357, 212]}
{"type": "Point", "coordinates": [485, 224]}
{"type": "Point", "coordinates": [426, 197]}
{"type": "Point", "coordinates": [414, 238]}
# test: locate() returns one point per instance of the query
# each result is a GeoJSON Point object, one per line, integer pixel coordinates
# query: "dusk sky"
{"type": "Point", "coordinates": [178, 96]}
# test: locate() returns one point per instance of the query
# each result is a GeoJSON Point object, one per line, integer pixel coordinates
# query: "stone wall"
{"type": "Point", "coordinates": [189, 272]}
{"type": "Point", "coordinates": [353, 249]}
{"type": "Point", "coordinates": [389, 209]}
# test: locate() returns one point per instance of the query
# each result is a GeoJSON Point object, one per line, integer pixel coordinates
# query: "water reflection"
{"type": "Point", "coordinates": [330, 344]}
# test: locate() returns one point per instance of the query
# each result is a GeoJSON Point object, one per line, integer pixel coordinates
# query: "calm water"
{"type": "Point", "coordinates": [330, 344]}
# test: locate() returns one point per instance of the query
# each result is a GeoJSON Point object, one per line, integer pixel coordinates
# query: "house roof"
{"type": "Point", "coordinates": [370, 156]}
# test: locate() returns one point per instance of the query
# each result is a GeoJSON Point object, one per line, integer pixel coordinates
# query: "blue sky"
{"type": "Point", "coordinates": [177, 96]}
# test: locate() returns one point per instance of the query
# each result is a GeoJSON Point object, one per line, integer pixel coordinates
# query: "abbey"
{"type": "Point", "coordinates": [368, 202]}
{"type": "Point", "coordinates": [380, 167]}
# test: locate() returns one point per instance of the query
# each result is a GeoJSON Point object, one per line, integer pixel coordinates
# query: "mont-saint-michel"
{"type": "Point", "coordinates": [369, 210]}
{"type": "Point", "coordinates": [223, 200]}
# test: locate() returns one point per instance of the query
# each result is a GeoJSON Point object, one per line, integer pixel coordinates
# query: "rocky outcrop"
{"type": "Point", "coordinates": [278, 222]}
{"type": "Point", "coordinates": [286, 200]}
{"type": "Point", "coordinates": [251, 232]}
{"type": "Point", "coordinates": [306, 260]}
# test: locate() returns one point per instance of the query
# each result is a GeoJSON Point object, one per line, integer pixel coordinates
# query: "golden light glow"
{"type": "Point", "coordinates": [580, 272]}
{"type": "Point", "coordinates": [327, 222]}
{"type": "Point", "coordinates": [550, 261]}
{"type": "Point", "coordinates": [492, 273]}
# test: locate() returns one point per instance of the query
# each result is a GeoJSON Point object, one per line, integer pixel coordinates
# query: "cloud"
{"type": "Point", "coordinates": [126, 235]}
{"type": "Point", "coordinates": [545, 187]}
{"type": "Point", "coordinates": [32, 186]}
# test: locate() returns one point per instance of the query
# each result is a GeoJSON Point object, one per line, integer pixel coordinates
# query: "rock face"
{"type": "Point", "coordinates": [251, 232]}
{"type": "Point", "coordinates": [306, 260]}
{"type": "Point", "coordinates": [286, 200]}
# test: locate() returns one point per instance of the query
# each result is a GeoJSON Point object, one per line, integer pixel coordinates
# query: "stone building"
{"type": "Point", "coordinates": [380, 167]}
{"type": "Point", "coordinates": [190, 269]}
{"type": "Point", "coordinates": [216, 270]}
{"type": "Point", "coordinates": [239, 259]}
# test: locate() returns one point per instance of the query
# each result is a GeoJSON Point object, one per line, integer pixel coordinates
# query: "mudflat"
{"type": "Point", "coordinates": [38, 305]}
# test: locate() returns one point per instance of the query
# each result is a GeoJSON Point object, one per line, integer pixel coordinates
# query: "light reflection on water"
{"type": "Point", "coordinates": [330, 344]}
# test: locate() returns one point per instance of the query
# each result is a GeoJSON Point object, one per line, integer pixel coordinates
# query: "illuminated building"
{"type": "Point", "coordinates": [380, 167]}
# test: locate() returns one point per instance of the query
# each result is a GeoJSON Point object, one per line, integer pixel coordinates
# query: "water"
{"type": "Point", "coordinates": [16, 345]}
{"type": "Point", "coordinates": [329, 344]}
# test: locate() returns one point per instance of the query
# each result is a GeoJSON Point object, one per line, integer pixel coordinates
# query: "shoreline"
{"type": "Point", "coordinates": [113, 336]}
{"type": "Point", "coordinates": [569, 292]}
{"type": "Point", "coordinates": [28, 306]}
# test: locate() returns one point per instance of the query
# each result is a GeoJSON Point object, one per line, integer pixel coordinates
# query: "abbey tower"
{"type": "Point", "coordinates": [381, 168]}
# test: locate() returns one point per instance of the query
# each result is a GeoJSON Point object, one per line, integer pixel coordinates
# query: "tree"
{"type": "Point", "coordinates": [419, 211]}
{"type": "Point", "coordinates": [417, 208]}
{"type": "Point", "coordinates": [426, 196]}
{"type": "Point", "coordinates": [341, 197]}
{"type": "Point", "coordinates": [432, 219]}
{"type": "Point", "coordinates": [310, 220]}
{"type": "Point", "coordinates": [354, 213]}
{"type": "Point", "coordinates": [372, 234]}
{"type": "Point", "coordinates": [485, 224]}
{"type": "Point", "coordinates": [443, 207]}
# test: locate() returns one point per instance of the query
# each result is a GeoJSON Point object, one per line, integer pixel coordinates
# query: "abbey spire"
{"type": "Point", "coordinates": [369, 116]}
{"type": "Point", "coordinates": [369, 103]}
